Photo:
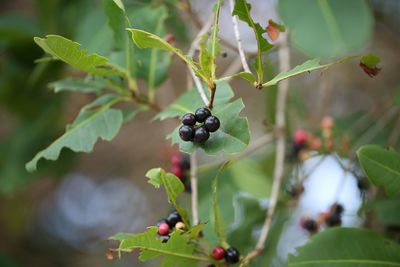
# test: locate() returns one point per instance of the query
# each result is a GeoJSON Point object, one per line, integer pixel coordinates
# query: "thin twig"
{"type": "Point", "coordinates": [242, 55]}
{"type": "Point", "coordinates": [191, 52]}
{"type": "Point", "coordinates": [193, 184]}
{"type": "Point", "coordinates": [283, 86]}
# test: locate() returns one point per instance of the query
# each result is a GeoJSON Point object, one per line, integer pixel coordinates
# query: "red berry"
{"type": "Point", "coordinates": [218, 253]}
{"type": "Point", "coordinates": [163, 229]}
{"type": "Point", "coordinates": [176, 159]}
{"type": "Point", "coordinates": [177, 171]}
{"type": "Point", "coordinates": [300, 137]}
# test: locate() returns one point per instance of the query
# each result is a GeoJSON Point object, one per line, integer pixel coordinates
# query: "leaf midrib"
{"type": "Point", "coordinates": [381, 165]}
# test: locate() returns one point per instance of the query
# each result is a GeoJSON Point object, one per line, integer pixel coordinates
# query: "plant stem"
{"type": "Point", "coordinates": [213, 88]}
{"type": "Point", "coordinates": [238, 39]}
{"type": "Point", "coordinates": [193, 185]}
{"type": "Point", "coordinates": [284, 65]}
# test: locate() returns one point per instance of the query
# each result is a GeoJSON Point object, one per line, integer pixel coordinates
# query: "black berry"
{"type": "Point", "coordinates": [202, 114]}
{"type": "Point", "coordinates": [337, 209]}
{"type": "Point", "coordinates": [164, 238]}
{"type": "Point", "coordinates": [185, 162]}
{"type": "Point", "coordinates": [310, 225]}
{"type": "Point", "coordinates": [173, 218]}
{"type": "Point", "coordinates": [334, 220]}
{"type": "Point", "coordinates": [189, 119]}
{"type": "Point", "coordinates": [232, 255]}
{"type": "Point", "coordinates": [186, 132]}
{"type": "Point", "coordinates": [212, 124]}
{"type": "Point", "coordinates": [201, 135]}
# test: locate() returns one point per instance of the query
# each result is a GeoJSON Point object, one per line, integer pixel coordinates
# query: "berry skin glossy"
{"type": "Point", "coordinates": [201, 135]}
{"type": "Point", "coordinates": [218, 253]}
{"type": "Point", "coordinates": [163, 229]}
{"type": "Point", "coordinates": [232, 255]}
{"type": "Point", "coordinates": [186, 133]}
{"type": "Point", "coordinates": [173, 218]}
{"type": "Point", "coordinates": [202, 114]}
{"type": "Point", "coordinates": [212, 124]}
{"type": "Point", "coordinates": [189, 119]}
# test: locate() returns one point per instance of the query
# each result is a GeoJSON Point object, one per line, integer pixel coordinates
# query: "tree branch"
{"type": "Point", "coordinates": [283, 86]}
{"type": "Point", "coordinates": [242, 55]}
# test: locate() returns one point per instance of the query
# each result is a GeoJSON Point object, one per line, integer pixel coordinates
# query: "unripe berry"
{"type": "Point", "coordinates": [163, 229]}
{"type": "Point", "coordinates": [180, 226]}
{"type": "Point", "coordinates": [218, 253]}
{"type": "Point", "coordinates": [176, 159]}
{"type": "Point", "coordinates": [178, 172]}
{"type": "Point", "coordinates": [300, 137]}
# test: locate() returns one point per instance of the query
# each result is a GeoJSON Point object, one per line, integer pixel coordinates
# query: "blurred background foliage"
{"type": "Point", "coordinates": [60, 215]}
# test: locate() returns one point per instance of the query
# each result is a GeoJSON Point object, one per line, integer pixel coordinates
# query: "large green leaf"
{"type": "Point", "coordinates": [77, 85]}
{"type": "Point", "coordinates": [309, 65]}
{"type": "Point", "coordinates": [96, 120]}
{"type": "Point", "coordinates": [178, 251]}
{"type": "Point", "coordinates": [242, 10]}
{"type": "Point", "coordinates": [233, 135]}
{"type": "Point", "coordinates": [190, 101]}
{"type": "Point", "coordinates": [173, 187]}
{"type": "Point", "coordinates": [382, 166]}
{"type": "Point", "coordinates": [69, 52]}
{"type": "Point", "coordinates": [144, 39]}
{"type": "Point", "coordinates": [327, 28]}
{"type": "Point", "coordinates": [347, 247]}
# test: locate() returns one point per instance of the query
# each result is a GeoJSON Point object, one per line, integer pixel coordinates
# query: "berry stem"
{"type": "Point", "coordinates": [193, 184]}
{"type": "Point", "coordinates": [213, 88]}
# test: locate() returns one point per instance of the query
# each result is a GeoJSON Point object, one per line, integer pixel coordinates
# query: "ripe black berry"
{"type": "Point", "coordinates": [173, 218]}
{"type": "Point", "coordinates": [212, 124]}
{"type": "Point", "coordinates": [310, 225]}
{"type": "Point", "coordinates": [201, 135]}
{"type": "Point", "coordinates": [334, 220]}
{"type": "Point", "coordinates": [337, 209]}
{"type": "Point", "coordinates": [186, 132]}
{"type": "Point", "coordinates": [189, 119]}
{"type": "Point", "coordinates": [202, 114]}
{"type": "Point", "coordinates": [232, 255]}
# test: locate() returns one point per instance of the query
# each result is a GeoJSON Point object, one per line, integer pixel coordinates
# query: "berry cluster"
{"type": "Point", "coordinates": [165, 226]}
{"type": "Point", "coordinates": [331, 218]}
{"type": "Point", "coordinates": [231, 255]}
{"type": "Point", "coordinates": [199, 133]}
{"type": "Point", "coordinates": [180, 168]}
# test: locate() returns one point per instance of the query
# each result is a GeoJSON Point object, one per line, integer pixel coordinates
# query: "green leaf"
{"type": "Point", "coordinates": [214, 42]}
{"type": "Point", "coordinates": [144, 39]}
{"type": "Point", "coordinates": [347, 247]}
{"type": "Point", "coordinates": [248, 76]}
{"type": "Point", "coordinates": [381, 166]}
{"type": "Point", "coordinates": [194, 232]}
{"type": "Point", "coordinates": [77, 85]}
{"type": "Point", "coordinates": [90, 125]}
{"type": "Point", "coordinates": [218, 223]}
{"type": "Point", "coordinates": [190, 101]}
{"type": "Point", "coordinates": [242, 10]}
{"type": "Point", "coordinates": [370, 60]}
{"type": "Point", "coordinates": [327, 28]}
{"type": "Point", "coordinates": [309, 65]}
{"type": "Point", "coordinates": [115, 12]}
{"type": "Point", "coordinates": [69, 52]}
{"type": "Point", "coordinates": [387, 211]}
{"type": "Point", "coordinates": [173, 187]}
{"type": "Point", "coordinates": [151, 64]}
{"type": "Point", "coordinates": [233, 136]}
{"type": "Point", "coordinates": [178, 251]}
{"type": "Point", "coordinates": [205, 56]}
